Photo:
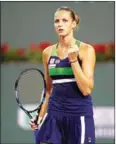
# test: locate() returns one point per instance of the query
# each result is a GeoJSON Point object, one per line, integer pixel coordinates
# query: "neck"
{"type": "Point", "coordinates": [67, 41]}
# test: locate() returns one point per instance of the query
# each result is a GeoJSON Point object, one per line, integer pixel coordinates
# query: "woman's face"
{"type": "Point", "coordinates": [63, 23]}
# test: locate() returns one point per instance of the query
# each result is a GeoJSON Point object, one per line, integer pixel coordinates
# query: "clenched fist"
{"type": "Point", "coordinates": [73, 53]}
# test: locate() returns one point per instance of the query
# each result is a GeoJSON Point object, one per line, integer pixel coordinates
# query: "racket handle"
{"type": "Point", "coordinates": [35, 119]}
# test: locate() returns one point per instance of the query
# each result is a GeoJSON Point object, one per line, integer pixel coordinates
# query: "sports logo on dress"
{"type": "Point", "coordinates": [52, 61]}
{"type": "Point", "coordinates": [89, 139]}
{"type": "Point", "coordinates": [57, 61]}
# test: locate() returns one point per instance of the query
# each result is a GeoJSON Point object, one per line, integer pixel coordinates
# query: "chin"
{"type": "Point", "coordinates": [62, 34]}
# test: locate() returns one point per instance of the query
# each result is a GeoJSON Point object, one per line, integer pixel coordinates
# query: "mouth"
{"type": "Point", "coordinates": [60, 30]}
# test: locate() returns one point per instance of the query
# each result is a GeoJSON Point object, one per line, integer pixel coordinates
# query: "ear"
{"type": "Point", "coordinates": [74, 24]}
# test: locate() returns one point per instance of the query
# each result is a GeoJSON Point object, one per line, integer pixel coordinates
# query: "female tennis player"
{"type": "Point", "coordinates": [67, 113]}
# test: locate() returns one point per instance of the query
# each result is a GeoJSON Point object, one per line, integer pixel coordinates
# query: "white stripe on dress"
{"type": "Point", "coordinates": [63, 80]}
{"type": "Point", "coordinates": [82, 129]}
{"type": "Point", "coordinates": [42, 121]}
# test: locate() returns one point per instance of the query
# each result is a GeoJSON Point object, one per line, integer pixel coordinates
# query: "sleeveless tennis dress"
{"type": "Point", "coordinates": [69, 119]}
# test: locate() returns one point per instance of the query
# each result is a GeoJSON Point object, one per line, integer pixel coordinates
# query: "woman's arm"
{"type": "Point", "coordinates": [84, 76]}
{"type": "Point", "coordinates": [45, 57]}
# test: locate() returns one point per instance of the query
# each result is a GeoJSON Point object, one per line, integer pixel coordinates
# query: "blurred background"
{"type": "Point", "coordinates": [27, 29]}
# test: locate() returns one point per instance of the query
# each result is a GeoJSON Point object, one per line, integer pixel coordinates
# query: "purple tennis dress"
{"type": "Point", "coordinates": [69, 119]}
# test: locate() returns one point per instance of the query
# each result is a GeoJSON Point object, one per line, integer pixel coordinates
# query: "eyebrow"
{"type": "Point", "coordinates": [62, 18]}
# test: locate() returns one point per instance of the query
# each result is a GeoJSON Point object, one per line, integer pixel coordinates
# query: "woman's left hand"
{"type": "Point", "coordinates": [73, 53]}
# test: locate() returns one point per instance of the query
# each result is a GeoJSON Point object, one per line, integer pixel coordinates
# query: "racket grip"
{"type": "Point", "coordinates": [35, 119]}
{"type": "Point", "coordinates": [38, 120]}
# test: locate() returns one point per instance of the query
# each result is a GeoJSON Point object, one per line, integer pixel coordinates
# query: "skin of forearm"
{"type": "Point", "coordinates": [84, 84]}
{"type": "Point", "coordinates": [44, 106]}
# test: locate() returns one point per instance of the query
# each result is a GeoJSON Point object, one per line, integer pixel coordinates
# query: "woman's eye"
{"type": "Point", "coordinates": [64, 20]}
{"type": "Point", "coordinates": [56, 21]}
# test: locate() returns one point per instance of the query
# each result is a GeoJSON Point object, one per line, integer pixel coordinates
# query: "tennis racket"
{"type": "Point", "coordinates": [30, 88]}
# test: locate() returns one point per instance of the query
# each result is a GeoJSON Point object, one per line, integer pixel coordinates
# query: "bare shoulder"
{"type": "Point", "coordinates": [87, 48]}
{"type": "Point", "coordinates": [47, 51]}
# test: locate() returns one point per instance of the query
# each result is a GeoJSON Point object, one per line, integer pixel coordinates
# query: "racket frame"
{"type": "Point", "coordinates": [18, 95]}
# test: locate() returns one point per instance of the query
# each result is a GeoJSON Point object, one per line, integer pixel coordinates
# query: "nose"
{"type": "Point", "coordinates": [60, 24]}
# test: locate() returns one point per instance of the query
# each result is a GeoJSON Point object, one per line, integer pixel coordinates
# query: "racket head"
{"type": "Point", "coordinates": [27, 85]}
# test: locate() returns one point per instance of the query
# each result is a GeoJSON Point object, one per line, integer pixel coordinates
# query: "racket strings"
{"type": "Point", "coordinates": [30, 87]}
